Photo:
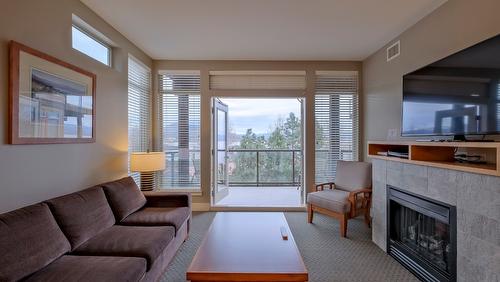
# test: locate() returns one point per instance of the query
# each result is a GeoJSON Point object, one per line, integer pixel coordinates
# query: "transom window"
{"type": "Point", "coordinates": [84, 42]}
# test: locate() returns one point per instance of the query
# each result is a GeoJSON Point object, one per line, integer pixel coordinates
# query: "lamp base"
{"type": "Point", "coordinates": [147, 181]}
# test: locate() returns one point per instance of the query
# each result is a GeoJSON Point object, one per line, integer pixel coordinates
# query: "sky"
{"type": "Point", "coordinates": [90, 46]}
{"type": "Point", "coordinates": [260, 114]}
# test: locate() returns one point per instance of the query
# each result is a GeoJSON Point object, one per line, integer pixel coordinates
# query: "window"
{"type": "Point", "coordinates": [179, 119]}
{"type": "Point", "coordinates": [336, 121]}
{"type": "Point", "coordinates": [90, 46]}
{"type": "Point", "coordinates": [139, 108]}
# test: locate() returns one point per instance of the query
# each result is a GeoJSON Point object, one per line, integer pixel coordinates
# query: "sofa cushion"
{"type": "Point", "coordinates": [334, 200]}
{"type": "Point", "coordinates": [30, 239]}
{"type": "Point", "coordinates": [92, 268]}
{"type": "Point", "coordinates": [158, 217]}
{"type": "Point", "coordinates": [82, 215]}
{"type": "Point", "coordinates": [124, 197]}
{"type": "Point", "coordinates": [129, 241]}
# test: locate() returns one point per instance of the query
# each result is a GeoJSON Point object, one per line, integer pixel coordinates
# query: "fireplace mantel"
{"type": "Point", "coordinates": [477, 201]}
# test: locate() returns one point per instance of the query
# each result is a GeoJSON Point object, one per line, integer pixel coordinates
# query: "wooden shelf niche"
{"type": "Point", "coordinates": [442, 154]}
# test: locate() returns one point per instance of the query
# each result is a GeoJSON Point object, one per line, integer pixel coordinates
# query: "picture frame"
{"type": "Point", "coordinates": [50, 101]}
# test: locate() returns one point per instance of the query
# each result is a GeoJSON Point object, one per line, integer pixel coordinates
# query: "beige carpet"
{"type": "Point", "coordinates": [327, 256]}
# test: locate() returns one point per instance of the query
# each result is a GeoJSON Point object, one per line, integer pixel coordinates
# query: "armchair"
{"type": "Point", "coordinates": [348, 197]}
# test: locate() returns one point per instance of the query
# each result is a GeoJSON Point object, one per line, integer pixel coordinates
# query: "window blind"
{"type": "Point", "coordinates": [179, 118]}
{"type": "Point", "coordinates": [336, 121]}
{"type": "Point", "coordinates": [139, 109]}
{"type": "Point", "coordinates": [257, 80]}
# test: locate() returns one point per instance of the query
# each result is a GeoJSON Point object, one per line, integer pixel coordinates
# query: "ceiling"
{"type": "Point", "coordinates": [261, 29]}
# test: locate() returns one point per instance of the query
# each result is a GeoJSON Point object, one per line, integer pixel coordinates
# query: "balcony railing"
{"type": "Point", "coordinates": [248, 167]}
{"type": "Point", "coordinates": [264, 167]}
{"type": "Point", "coordinates": [181, 174]}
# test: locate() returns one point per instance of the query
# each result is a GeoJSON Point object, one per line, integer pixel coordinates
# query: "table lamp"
{"type": "Point", "coordinates": [147, 163]}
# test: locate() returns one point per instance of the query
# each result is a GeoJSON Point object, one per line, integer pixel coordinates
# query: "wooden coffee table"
{"type": "Point", "coordinates": [248, 246]}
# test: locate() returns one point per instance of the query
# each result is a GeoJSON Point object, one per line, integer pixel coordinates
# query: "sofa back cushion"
{"type": "Point", "coordinates": [82, 215]}
{"type": "Point", "coordinates": [124, 197]}
{"type": "Point", "coordinates": [30, 239]}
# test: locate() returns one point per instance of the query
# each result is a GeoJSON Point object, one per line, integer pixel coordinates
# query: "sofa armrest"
{"type": "Point", "coordinates": [167, 199]}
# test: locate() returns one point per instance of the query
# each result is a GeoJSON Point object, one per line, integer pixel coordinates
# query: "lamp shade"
{"type": "Point", "coordinates": [147, 161]}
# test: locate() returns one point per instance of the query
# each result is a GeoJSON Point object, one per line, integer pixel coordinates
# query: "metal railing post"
{"type": "Point", "coordinates": [257, 166]}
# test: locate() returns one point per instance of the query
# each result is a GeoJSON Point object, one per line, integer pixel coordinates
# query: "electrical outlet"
{"type": "Point", "coordinates": [392, 133]}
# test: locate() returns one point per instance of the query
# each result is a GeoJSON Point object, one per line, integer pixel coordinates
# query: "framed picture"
{"type": "Point", "coordinates": [50, 101]}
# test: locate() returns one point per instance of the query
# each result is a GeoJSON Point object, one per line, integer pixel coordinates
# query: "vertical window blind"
{"type": "Point", "coordinates": [336, 121]}
{"type": "Point", "coordinates": [139, 109]}
{"type": "Point", "coordinates": [179, 119]}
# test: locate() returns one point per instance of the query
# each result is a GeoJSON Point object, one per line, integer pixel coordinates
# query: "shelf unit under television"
{"type": "Point", "coordinates": [441, 154]}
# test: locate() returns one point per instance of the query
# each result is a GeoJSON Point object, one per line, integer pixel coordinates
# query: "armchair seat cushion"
{"type": "Point", "coordinates": [333, 200]}
{"type": "Point", "coordinates": [153, 216]}
{"type": "Point", "coordinates": [92, 268]}
{"type": "Point", "coordinates": [129, 241]}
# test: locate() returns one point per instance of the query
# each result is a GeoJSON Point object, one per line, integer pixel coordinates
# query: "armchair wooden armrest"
{"type": "Point", "coordinates": [321, 186]}
{"type": "Point", "coordinates": [355, 193]}
{"type": "Point", "coordinates": [353, 199]}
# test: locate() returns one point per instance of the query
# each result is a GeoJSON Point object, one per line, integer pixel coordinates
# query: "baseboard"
{"type": "Point", "coordinates": [200, 207]}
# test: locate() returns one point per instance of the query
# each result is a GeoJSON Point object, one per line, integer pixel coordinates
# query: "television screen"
{"type": "Point", "coordinates": [458, 95]}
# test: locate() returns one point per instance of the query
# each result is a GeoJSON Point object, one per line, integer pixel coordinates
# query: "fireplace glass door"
{"type": "Point", "coordinates": [423, 235]}
{"type": "Point", "coordinates": [423, 231]}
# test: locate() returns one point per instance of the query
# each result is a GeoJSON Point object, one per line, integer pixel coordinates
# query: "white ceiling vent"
{"type": "Point", "coordinates": [393, 51]}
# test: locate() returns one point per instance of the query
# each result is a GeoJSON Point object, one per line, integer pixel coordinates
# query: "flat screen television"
{"type": "Point", "coordinates": [458, 95]}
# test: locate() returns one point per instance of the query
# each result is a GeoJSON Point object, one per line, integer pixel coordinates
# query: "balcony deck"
{"type": "Point", "coordinates": [265, 196]}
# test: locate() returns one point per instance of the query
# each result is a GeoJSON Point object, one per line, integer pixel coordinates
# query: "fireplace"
{"type": "Point", "coordinates": [421, 235]}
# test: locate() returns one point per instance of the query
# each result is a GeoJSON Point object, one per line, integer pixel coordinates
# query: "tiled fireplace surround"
{"type": "Point", "coordinates": [477, 198]}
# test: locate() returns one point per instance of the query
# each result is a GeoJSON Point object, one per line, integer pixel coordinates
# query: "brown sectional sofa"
{"type": "Point", "coordinates": [110, 232]}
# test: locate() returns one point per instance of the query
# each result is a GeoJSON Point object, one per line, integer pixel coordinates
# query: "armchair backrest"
{"type": "Point", "coordinates": [352, 176]}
